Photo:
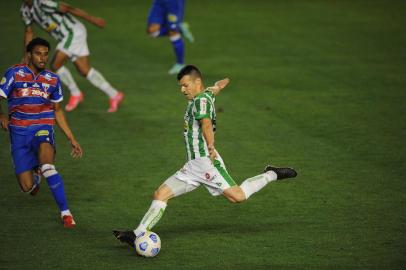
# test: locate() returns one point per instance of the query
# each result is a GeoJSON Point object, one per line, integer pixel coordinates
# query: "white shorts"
{"type": "Point", "coordinates": [75, 45]}
{"type": "Point", "coordinates": [201, 171]}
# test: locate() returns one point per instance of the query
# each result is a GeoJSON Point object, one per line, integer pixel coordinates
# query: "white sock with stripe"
{"type": "Point", "coordinates": [151, 217]}
{"type": "Point", "coordinates": [67, 78]}
{"type": "Point", "coordinates": [97, 79]}
{"type": "Point", "coordinates": [256, 183]}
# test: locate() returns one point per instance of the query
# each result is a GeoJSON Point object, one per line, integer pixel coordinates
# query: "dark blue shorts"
{"type": "Point", "coordinates": [167, 13]}
{"type": "Point", "coordinates": [24, 147]}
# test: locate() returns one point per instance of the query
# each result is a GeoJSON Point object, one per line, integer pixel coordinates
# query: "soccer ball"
{"type": "Point", "coordinates": [148, 244]}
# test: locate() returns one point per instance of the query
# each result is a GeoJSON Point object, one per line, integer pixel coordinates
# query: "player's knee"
{"type": "Point", "coordinates": [236, 197]}
{"type": "Point", "coordinates": [84, 71]}
{"type": "Point", "coordinates": [48, 170]}
{"type": "Point", "coordinates": [161, 195]}
{"type": "Point", "coordinates": [153, 30]}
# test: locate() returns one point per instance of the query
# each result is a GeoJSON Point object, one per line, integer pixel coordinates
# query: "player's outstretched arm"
{"type": "Point", "coordinates": [66, 8]}
{"type": "Point", "coordinates": [218, 86]}
{"type": "Point", "coordinates": [63, 124]}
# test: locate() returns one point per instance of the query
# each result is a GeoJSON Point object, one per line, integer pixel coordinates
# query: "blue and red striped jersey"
{"type": "Point", "coordinates": [30, 98]}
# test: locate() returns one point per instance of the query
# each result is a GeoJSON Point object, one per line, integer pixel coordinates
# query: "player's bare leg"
{"type": "Point", "coordinates": [153, 30]}
{"type": "Point", "coordinates": [234, 194]}
{"type": "Point", "coordinates": [46, 157]}
{"type": "Point", "coordinates": [57, 65]}
{"type": "Point", "coordinates": [96, 78]}
{"type": "Point", "coordinates": [29, 183]}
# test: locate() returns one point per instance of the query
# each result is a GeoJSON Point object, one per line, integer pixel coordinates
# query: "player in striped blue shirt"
{"type": "Point", "coordinates": [204, 165]}
{"type": "Point", "coordinates": [59, 20]}
{"type": "Point", "coordinates": [34, 95]}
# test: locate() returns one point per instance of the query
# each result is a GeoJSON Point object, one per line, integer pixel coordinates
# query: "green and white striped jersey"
{"type": "Point", "coordinates": [202, 106]}
{"type": "Point", "coordinates": [46, 14]}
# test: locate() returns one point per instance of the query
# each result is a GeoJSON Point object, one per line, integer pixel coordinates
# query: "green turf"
{"type": "Point", "coordinates": [318, 85]}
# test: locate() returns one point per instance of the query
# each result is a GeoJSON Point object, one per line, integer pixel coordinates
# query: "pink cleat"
{"type": "Point", "coordinates": [73, 102]}
{"type": "Point", "coordinates": [68, 221]}
{"type": "Point", "coordinates": [115, 101]}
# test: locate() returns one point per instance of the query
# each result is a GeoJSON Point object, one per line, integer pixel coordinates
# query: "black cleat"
{"type": "Point", "coordinates": [282, 173]}
{"type": "Point", "coordinates": [125, 237]}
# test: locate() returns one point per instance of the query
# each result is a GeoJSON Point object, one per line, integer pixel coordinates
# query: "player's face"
{"type": "Point", "coordinates": [190, 86]}
{"type": "Point", "coordinates": [39, 57]}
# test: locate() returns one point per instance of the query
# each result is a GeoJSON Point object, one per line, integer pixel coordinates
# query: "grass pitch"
{"type": "Point", "coordinates": [317, 85]}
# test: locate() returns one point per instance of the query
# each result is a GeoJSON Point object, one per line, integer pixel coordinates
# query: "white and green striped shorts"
{"type": "Point", "coordinates": [74, 44]}
{"type": "Point", "coordinates": [201, 171]}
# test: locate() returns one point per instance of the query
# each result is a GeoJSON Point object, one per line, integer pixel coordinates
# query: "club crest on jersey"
{"type": "Point", "coordinates": [45, 86]}
{"type": "Point", "coordinates": [48, 77]}
{"type": "Point", "coordinates": [3, 81]}
{"type": "Point", "coordinates": [207, 175]}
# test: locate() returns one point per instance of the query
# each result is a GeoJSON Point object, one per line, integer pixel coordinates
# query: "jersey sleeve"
{"type": "Point", "coordinates": [26, 15]}
{"type": "Point", "coordinates": [57, 93]}
{"type": "Point", "coordinates": [204, 108]}
{"type": "Point", "coordinates": [7, 83]}
{"type": "Point", "coordinates": [49, 6]}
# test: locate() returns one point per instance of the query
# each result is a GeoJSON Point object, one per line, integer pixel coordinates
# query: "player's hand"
{"type": "Point", "coordinates": [77, 151]}
{"type": "Point", "coordinates": [100, 22]}
{"type": "Point", "coordinates": [222, 83]}
{"type": "Point", "coordinates": [212, 152]}
{"type": "Point", "coordinates": [219, 85]}
{"type": "Point", "coordinates": [4, 122]}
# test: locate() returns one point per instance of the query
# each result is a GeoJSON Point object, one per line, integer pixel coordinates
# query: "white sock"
{"type": "Point", "coordinates": [97, 79]}
{"type": "Point", "coordinates": [65, 212]}
{"type": "Point", "coordinates": [67, 79]}
{"type": "Point", "coordinates": [151, 217]}
{"type": "Point", "coordinates": [256, 183]}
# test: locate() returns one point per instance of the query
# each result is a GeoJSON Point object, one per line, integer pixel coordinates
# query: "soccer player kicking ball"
{"type": "Point", "coordinates": [204, 165]}
{"type": "Point", "coordinates": [34, 95]}
{"type": "Point", "coordinates": [59, 20]}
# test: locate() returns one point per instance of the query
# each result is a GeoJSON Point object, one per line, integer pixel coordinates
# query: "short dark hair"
{"type": "Point", "coordinates": [36, 42]}
{"type": "Point", "coordinates": [189, 70]}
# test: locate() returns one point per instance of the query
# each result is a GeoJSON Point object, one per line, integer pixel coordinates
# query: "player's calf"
{"type": "Point", "coordinates": [29, 182]}
{"type": "Point", "coordinates": [234, 194]}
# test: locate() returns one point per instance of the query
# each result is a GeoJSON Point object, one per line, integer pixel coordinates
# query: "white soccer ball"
{"type": "Point", "coordinates": [148, 244]}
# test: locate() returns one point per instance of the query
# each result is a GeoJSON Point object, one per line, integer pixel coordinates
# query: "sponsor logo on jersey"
{"type": "Point", "coordinates": [3, 80]}
{"type": "Point", "coordinates": [172, 18]}
{"type": "Point", "coordinates": [42, 133]}
{"type": "Point", "coordinates": [203, 106]}
{"type": "Point", "coordinates": [33, 93]}
{"type": "Point", "coordinates": [35, 85]}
